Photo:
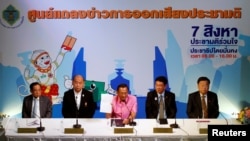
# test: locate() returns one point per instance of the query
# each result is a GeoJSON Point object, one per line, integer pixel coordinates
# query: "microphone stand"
{"type": "Point", "coordinates": [40, 128]}
{"type": "Point", "coordinates": [224, 118]}
{"type": "Point", "coordinates": [77, 112]}
{"type": "Point", "coordinates": [174, 125]}
{"type": "Point", "coordinates": [77, 125]}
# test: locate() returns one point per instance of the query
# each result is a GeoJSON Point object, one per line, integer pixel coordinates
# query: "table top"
{"type": "Point", "coordinates": [100, 127]}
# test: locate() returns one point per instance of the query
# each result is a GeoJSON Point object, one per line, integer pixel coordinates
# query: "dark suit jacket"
{"type": "Point", "coordinates": [45, 107]}
{"type": "Point", "coordinates": [87, 105]}
{"type": "Point", "coordinates": [194, 108]}
{"type": "Point", "coordinates": [152, 104]}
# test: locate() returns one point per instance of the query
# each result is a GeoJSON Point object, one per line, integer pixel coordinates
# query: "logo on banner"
{"type": "Point", "coordinates": [11, 17]}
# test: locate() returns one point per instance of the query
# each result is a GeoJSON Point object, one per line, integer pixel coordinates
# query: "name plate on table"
{"type": "Point", "coordinates": [123, 130]}
{"type": "Point", "coordinates": [73, 130]}
{"type": "Point", "coordinates": [162, 130]}
{"type": "Point", "coordinates": [203, 130]}
{"type": "Point", "coordinates": [26, 130]}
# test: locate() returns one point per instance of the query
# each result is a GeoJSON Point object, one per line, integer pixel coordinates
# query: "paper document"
{"type": "Point", "coordinates": [106, 100]}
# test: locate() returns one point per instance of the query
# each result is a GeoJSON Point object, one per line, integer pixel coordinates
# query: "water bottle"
{"type": "Point", "coordinates": [113, 124]}
{"type": "Point", "coordinates": [61, 126]}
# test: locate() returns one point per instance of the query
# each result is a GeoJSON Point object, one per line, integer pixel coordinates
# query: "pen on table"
{"type": "Point", "coordinates": [202, 120]}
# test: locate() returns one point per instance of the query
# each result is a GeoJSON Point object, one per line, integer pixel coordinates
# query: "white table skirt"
{"type": "Point", "coordinates": [100, 129]}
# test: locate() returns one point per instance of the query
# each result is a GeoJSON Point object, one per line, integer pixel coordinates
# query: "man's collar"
{"type": "Point", "coordinates": [203, 95]}
{"type": "Point", "coordinates": [161, 94]}
{"type": "Point", "coordinates": [76, 93]}
{"type": "Point", "coordinates": [126, 100]}
{"type": "Point", "coordinates": [36, 98]}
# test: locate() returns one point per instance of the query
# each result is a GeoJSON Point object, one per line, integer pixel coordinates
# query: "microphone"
{"type": "Point", "coordinates": [77, 125]}
{"type": "Point", "coordinates": [132, 122]}
{"type": "Point", "coordinates": [224, 118]}
{"type": "Point", "coordinates": [40, 128]}
{"type": "Point", "coordinates": [174, 125]}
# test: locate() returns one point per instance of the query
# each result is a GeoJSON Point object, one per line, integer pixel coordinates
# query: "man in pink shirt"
{"type": "Point", "coordinates": [124, 105]}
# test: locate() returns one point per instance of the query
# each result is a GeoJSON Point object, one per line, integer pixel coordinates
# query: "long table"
{"type": "Point", "coordinates": [100, 129]}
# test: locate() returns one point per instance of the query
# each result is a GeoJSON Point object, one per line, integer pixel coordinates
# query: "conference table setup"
{"type": "Point", "coordinates": [94, 129]}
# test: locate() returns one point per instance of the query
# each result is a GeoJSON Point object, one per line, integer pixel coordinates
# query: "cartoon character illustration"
{"type": "Point", "coordinates": [67, 82]}
{"type": "Point", "coordinates": [96, 87]}
{"type": "Point", "coordinates": [45, 69]}
{"type": "Point", "coordinates": [110, 90]}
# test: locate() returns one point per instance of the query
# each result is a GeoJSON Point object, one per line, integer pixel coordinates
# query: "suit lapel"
{"type": "Point", "coordinates": [165, 100]}
{"type": "Point", "coordinates": [30, 104]}
{"type": "Point", "coordinates": [41, 103]}
{"type": "Point", "coordinates": [198, 99]}
{"type": "Point", "coordinates": [73, 99]}
{"type": "Point", "coordinates": [156, 100]}
{"type": "Point", "coordinates": [165, 97]}
{"type": "Point", "coordinates": [208, 99]}
{"type": "Point", "coordinates": [82, 97]}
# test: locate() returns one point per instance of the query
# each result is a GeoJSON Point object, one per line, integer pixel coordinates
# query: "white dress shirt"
{"type": "Point", "coordinates": [35, 108]}
{"type": "Point", "coordinates": [78, 98]}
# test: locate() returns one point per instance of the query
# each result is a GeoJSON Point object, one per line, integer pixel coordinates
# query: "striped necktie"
{"type": "Point", "coordinates": [204, 107]}
{"type": "Point", "coordinates": [161, 109]}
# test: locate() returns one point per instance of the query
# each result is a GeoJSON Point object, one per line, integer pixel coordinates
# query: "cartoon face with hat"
{"type": "Point", "coordinates": [41, 60]}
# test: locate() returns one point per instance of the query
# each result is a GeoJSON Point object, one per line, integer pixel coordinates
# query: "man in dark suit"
{"type": "Point", "coordinates": [194, 105]}
{"type": "Point", "coordinates": [153, 100]}
{"type": "Point", "coordinates": [78, 102]}
{"type": "Point", "coordinates": [36, 101]}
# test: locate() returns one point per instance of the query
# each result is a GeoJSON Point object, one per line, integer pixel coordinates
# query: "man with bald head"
{"type": "Point", "coordinates": [78, 102]}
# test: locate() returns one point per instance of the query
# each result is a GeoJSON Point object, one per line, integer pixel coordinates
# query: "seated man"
{"type": "Point", "coordinates": [160, 103]}
{"type": "Point", "coordinates": [78, 101]}
{"type": "Point", "coordinates": [124, 105]}
{"type": "Point", "coordinates": [203, 103]}
{"type": "Point", "coordinates": [36, 105]}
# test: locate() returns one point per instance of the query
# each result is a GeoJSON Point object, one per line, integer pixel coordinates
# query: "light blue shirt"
{"type": "Point", "coordinates": [36, 108]}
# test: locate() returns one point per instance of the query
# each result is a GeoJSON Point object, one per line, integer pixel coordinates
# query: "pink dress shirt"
{"type": "Point", "coordinates": [122, 109]}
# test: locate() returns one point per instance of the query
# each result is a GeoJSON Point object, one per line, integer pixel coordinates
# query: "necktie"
{"type": "Point", "coordinates": [77, 102]}
{"type": "Point", "coordinates": [36, 112]}
{"type": "Point", "coordinates": [204, 107]}
{"type": "Point", "coordinates": [161, 109]}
